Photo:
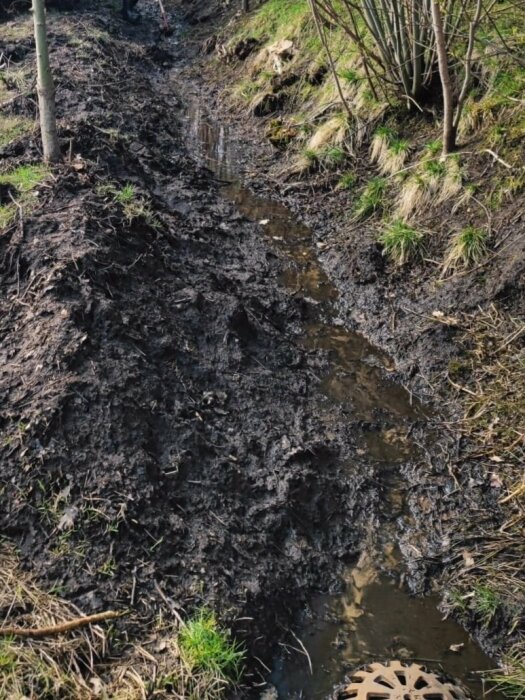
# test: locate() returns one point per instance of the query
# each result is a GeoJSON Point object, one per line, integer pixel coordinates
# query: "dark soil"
{"type": "Point", "coordinates": [451, 497]}
{"type": "Point", "coordinates": [160, 422]}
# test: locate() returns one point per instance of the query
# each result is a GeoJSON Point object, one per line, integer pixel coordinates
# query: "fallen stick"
{"type": "Point", "coordinates": [516, 492]}
{"type": "Point", "coordinates": [59, 629]}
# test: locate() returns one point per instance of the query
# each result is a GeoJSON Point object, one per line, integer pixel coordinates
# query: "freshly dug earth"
{"type": "Point", "coordinates": [160, 424]}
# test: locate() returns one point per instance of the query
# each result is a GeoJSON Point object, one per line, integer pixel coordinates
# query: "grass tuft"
{"type": "Point", "coordinates": [400, 241]}
{"type": "Point", "coordinates": [485, 603]}
{"type": "Point", "coordinates": [511, 680]}
{"type": "Point", "coordinates": [206, 647]}
{"type": "Point", "coordinates": [332, 156]}
{"type": "Point", "coordinates": [466, 249]}
{"type": "Point", "coordinates": [434, 182]}
{"type": "Point", "coordinates": [433, 148]}
{"type": "Point", "coordinates": [347, 181]}
{"type": "Point", "coordinates": [134, 206]}
{"type": "Point", "coordinates": [26, 177]}
{"type": "Point", "coordinates": [12, 127]}
{"type": "Point", "coordinates": [126, 195]}
{"type": "Point", "coordinates": [371, 198]}
{"type": "Point", "coordinates": [24, 180]}
{"type": "Point", "coordinates": [388, 150]}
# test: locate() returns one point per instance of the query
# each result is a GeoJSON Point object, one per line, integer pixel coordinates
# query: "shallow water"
{"type": "Point", "coordinates": [374, 618]}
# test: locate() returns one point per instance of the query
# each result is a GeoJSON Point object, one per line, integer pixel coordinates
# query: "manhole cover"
{"type": "Point", "coordinates": [396, 680]}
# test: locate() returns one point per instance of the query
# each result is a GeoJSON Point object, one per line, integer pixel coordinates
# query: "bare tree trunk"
{"type": "Point", "coordinates": [46, 87]}
{"type": "Point", "coordinates": [320, 31]}
{"type": "Point", "coordinates": [246, 5]}
{"type": "Point", "coordinates": [473, 26]}
{"type": "Point", "coordinates": [449, 130]}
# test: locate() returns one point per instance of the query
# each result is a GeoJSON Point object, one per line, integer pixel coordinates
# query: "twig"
{"type": "Point", "coordinates": [496, 157]}
{"type": "Point", "coordinates": [514, 494]}
{"type": "Point", "coordinates": [170, 605]}
{"type": "Point", "coordinates": [62, 627]}
{"type": "Point", "coordinates": [305, 652]}
{"type": "Point", "coordinates": [462, 388]}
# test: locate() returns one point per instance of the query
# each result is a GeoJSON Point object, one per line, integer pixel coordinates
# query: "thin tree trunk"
{"type": "Point", "coordinates": [46, 87]}
{"type": "Point", "coordinates": [246, 5]}
{"type": "Point", "coordinates": [468, 63]}
{"type": "Point", "coordinates": [313, 7]}
{"type": "Point", "coordinates": [449, 131]}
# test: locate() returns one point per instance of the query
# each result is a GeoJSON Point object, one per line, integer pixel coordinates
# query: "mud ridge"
{"type": "Point", "coordinates": [161, 425]}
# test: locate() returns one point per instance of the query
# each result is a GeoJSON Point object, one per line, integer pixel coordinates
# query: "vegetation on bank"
{"type": "Point", "coordinates": [364, 117]}
{"type": "Point", "coordinates": [489, 378]}
{"type": "Point", "coordinates": [393, 176]}
{"type": "Point", "coordinates": [194, 659]}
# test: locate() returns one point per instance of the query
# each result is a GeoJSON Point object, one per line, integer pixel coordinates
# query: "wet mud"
{"type": "Point", "coordinates": [182, 404]}
{"type": "Point", "coordinates": [374, 617]}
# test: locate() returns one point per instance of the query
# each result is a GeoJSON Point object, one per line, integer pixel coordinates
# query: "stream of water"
{"type": "Point", "coordinates": [374, 618]}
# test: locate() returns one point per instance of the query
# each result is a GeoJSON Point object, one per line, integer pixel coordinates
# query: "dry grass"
{"type": "Point", "coordinates": [511, 680]}
{"type": "Point", "coordinates": [79, 664]}
{"type": "Point", "coordinates": [467, 247]}
{"type": "Point", "coordinates": [53, 667]}
{"type": "Point", "coordinates": [388, 151]}
{"type": "Point", "coordinates": [19, 29]}
{"type": "Point", "coordinates": [332, 131]}
{"type": "Point", "coordinates": [432, 183]}
{"type": "Point", "coordinates": [490, 380]}
{"type": "Point", "coordinates": [13, 127]}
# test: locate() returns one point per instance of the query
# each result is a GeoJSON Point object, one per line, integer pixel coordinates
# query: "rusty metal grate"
{"type": "Point", "coordinates": [396, 680]}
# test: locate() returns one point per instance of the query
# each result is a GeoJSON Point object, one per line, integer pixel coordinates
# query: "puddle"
{"type": "Point", "coordinates": [341, 635]}
{"type": "Point", "coordinates": [374, 618]}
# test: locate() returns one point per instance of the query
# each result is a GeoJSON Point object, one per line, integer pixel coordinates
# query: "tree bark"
{"type": "Point", "coordinates": [46, 87]}
{"type": "Point", "coordinates": [246, 5]}
{"type": "Point", "coordinates": [449, 130]}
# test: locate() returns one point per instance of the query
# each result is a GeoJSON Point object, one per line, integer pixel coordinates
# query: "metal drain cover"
{"type": "Point", "coordinates": [396, 680]}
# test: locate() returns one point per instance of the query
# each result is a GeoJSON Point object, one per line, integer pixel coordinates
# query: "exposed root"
{"type": "Point", "coordinates": [51, 667]}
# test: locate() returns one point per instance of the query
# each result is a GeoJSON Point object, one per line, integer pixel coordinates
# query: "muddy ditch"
{"type": "Point", "coordinates": [374, 617]}
{"type": "Point", "coordinates": [402, 311]}
{"type": "Point", "coordinates": [183, 404]}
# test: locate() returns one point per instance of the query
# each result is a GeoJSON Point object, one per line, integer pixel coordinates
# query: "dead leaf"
{"type": "Point", "coordinates": [67, 521]}
{"type": "Point", "coordinates": [495, 481]}
{"type": "Point", "coordinates": [447, 320]}
{"type": "Point", "coordinates": [78, 164]}
{"type": "Point", "coordinates": [97, 686]}
{"type": "Point", "coordinates": [425, 504]}
{"type": "Point", "coordinates": [456, 648]}
{"type": "Point", "coordinates": [468, 559]}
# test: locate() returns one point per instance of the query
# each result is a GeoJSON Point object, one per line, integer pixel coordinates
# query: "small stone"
{"type": "Point", "coordinates": [270, 694]}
